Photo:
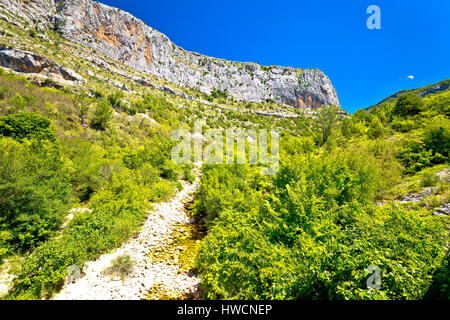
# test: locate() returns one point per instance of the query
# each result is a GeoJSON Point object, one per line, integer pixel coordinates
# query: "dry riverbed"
{"type": "Point", "coordinates": [162, 254]}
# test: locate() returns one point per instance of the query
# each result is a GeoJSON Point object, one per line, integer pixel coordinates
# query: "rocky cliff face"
{"type": "Point", "coordinates": [121, 37]}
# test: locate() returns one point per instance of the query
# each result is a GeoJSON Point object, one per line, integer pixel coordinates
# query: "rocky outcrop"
{"type": "Point", "coordinates": [29, 62]}
{"type": "Point", "coordinates": [122, 37]}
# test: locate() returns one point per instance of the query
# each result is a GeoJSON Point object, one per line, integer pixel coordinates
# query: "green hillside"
{"type": "Point", "coordinates": [83, 163]}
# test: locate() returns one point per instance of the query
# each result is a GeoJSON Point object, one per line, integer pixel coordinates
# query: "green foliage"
{"type": "Point", "coordinates": [311, 231]}
{"type": "Point", "coordinates": [440, 103]}
{"type": "Point", "coordinates": [313, 241]}
{"type": "Point", "coordinates": [82, 101]}
{"type": "Point", "coordinates": [408, 104]}
{"type": "Point", "coordinates": [26, 126]}
{"type": "Point", "coordinates": [404, 125]}
{"type": "Point", "coordinates": [440, 288]}
{"type": "Point", "coordinates": [437, 139]}
{"type": "Point", "coordinates": [376, 129]}
{"type": "Point", "coordinates": [326, 120]}
{"type": "Point", "coordinates": [116, 100]}
{"type": "Point", "coordinates": [120, 266]}
{"type": "Point", "coordinates": [89, 170]}
{"type": "Point", "coordinates": [219, 94]}
{"type": "Point", "coordinates": [350, 128]}
{"type": "Point", "coordinates": [45, 160]}
{"type": "Point", "coordinates": [102, 116]}
{"type": "Point", "coordinates": [171, 171]}
{"type": "Point", "coordinates": [34, 194]}
{"type": "Point", "coordinates": [415, 157]}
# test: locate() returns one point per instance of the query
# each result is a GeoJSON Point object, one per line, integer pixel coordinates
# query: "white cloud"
{"type": "Point", "coordinates": [411, 77]}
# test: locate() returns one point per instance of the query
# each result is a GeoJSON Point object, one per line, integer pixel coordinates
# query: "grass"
{"type": "Point", "coordinates": [121, 266]}
{"type": "Point", "coordinates": [415, 183]}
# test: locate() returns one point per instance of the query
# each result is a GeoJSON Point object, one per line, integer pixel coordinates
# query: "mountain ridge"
{"type": "Point", "coordinates": [124, 38]}
{"type": "Point", "coordinates": [422, 91]}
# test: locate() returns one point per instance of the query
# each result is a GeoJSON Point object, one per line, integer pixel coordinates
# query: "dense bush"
{"type": "Point", "coordinates": [117, 173]}
{"type": "Point", "coordinates": [325, 122]}
{"type": "Point", "coordinates": [34, 193]}
{"type": "Point", "coordinates": [102, 116]}
{"type": "Point", "coordinates": [312, 231]}
{"type": "Point", "coordinates": [408, 104]}
{"type": "Point", "coordinates": [415, 157]}
{"type": "Point", "coordinates": [26, 125]}
{"type": "Point", "coordinates": [34, 187]}
{"type": "Point", "coordinates": [117, 213]}
{"type": "Point", "coordinates": [309, 232]}
{"type": "Point", "coordinates": [437, 139]}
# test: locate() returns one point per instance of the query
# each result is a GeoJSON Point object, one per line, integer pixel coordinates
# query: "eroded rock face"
{"type": "Point", "coordinates": [120, 36]}
{"type": "Point", "coordinates": [29, 62]}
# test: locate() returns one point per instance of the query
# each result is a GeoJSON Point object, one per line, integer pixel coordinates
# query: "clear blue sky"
{"type": "Point", "coordinates": [364, 65]}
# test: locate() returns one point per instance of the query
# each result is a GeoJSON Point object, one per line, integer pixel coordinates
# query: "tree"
{"type": "Point", "coordinates": [376, 129]}
{"type": "Point", "coordinates": [437, 138]}
{"type": "Point", "coordinates": [326, 120]}
{"type": "Point", "coordinates": [103, 114]}
{"type": "Point", "coordinates": [408, 104]}
{"type": "Point", "coordinates": [81, 102]}
{"type": "Point", "coordinates": [115, 99]}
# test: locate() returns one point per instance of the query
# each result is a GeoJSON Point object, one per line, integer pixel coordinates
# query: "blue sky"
{"type": "Point", "coordinates": [364, 65]}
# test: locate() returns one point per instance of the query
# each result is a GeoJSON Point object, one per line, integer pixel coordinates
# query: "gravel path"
{"type": "Point", "coordinates": [157, 230]}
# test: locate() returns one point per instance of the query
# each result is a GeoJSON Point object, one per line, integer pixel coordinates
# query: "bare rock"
{"type": "Point", "coordinates": [121, 37]}
{"type": "Point", "coordinates": [29, 62]}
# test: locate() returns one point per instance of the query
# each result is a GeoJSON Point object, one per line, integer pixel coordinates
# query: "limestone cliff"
{"type": "Point", "coordinates": [122, 37]}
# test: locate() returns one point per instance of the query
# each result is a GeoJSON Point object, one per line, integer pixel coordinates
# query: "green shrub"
{"type": "Point", "coordinates": [376, 129]}
{"type": "Point", "coordinates": [404, 125]}
{"type": "Point", "coordinates": [3, 92]}
{"type": "Point", "coordinates": [408, 104]}
{"type": "Point", "coordinates": [102, 116]}
{"type": "Point", "coordinates": [120, 266]}
{"type": "Point", "coordinates": [313, 238]}
{"type": "Point", "coordinates": [429, 180]}
{"type": "Point", "coordinates": [26, 125]}
{"type": "Point", "coordinates": [218, 94]}
{"type": "Point", "coordinates": [162, 191]}
{"type": "Point", "coordinates": [415, 157]}
{"type": "Point", "coordinates": [437, 139]}
{"type": "Point", "coordinates": [117, 214]}
{"type": "Point", "coordinates": [34, 193]}
{"type": "Point", "coordinates": [171, 171]}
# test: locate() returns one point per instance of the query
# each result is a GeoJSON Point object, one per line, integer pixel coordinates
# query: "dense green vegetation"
{"type": "Point", "coordinates": [81, 166]}
{"type": "Point", "coordinates": [313, 230]}
{"type": "Point", "coordinates": [60, 151]}
{"type": "Point", "coordinates": [309, 232]}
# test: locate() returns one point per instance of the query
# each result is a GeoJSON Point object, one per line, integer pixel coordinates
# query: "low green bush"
{"type": "Point", "coordinates": [120, 266]}
{"type": "Point", "coordinates": [312, 231]}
